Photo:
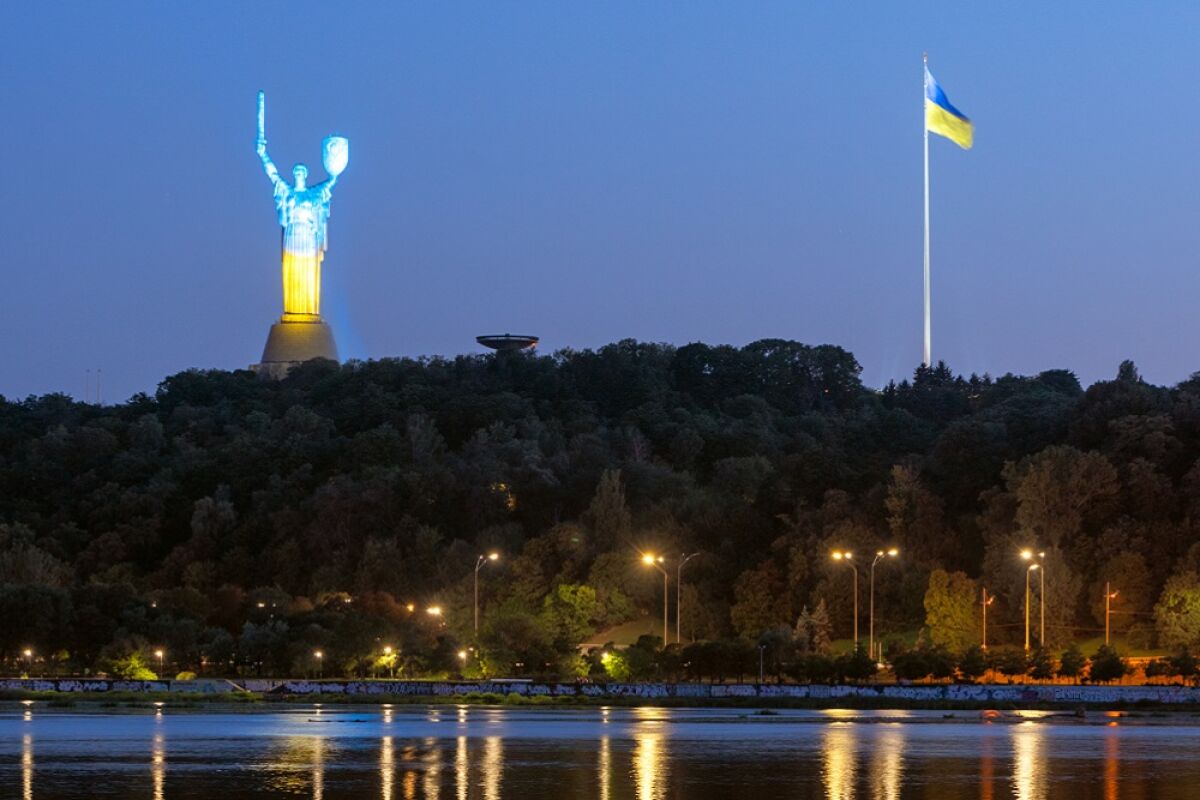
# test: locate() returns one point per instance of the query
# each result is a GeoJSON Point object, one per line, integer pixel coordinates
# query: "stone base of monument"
{"type": "Point", "coordinates": [294, 339]}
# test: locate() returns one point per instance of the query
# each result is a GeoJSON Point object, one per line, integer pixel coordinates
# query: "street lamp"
{"type": "Point", "coordinates": [159, 655]}
{"type": "Point", "coordinates": [652, 560]}
{"type": "Point", "coordinates": [1108, 596]}
{"type": "Point", "coordinates": [391, 662]}
{"type": "Point", "coordinates": [479, 562]}
{"type": "Point", "coordinates": [891, 552]}
{"type": "Point", "coordinates": [28, 653]}
{"type": "Point", "coordinates": [846, 556]}
{"type": "Point", "coordinates": [318, 655]}
{"type": "Point", "coordinates": [683, 559]}
{"type": "Point", "coordinates": [1027, 554]}
{"type": "Point", "coordinates": [1028, 570]}
{"type": "Point", "coordinates": [434, 611]}
{"type": "Point", "coordinates": [985, 601]}
{"type": "Point", "coordinates": [462, 658]}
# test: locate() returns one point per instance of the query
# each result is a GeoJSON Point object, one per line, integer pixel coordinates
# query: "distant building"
{"type": "Point", "coordinates": [507, 342]}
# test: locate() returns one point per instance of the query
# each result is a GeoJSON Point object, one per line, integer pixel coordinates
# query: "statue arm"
{"type": "Point", "coordinates": [261, 143]}
{"type": "Point", "coordinates": [269, 165]}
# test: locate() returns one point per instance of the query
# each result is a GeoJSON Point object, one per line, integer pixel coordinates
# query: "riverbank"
{"type": "Point", "coordinates": [67, 692]}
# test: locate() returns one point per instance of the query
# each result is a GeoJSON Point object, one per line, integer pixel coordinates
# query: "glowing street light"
{"type": "Point", "coordinates": [391, 662]}
{"type": "Point", "coordinates": [683, 559]}
{"type": "Point", "coordinates": [846, 557]}
{"type": "Point", "coordinates": [651, 560]}
{"type": "Point", "coordinates": [319, 656]}
{"type": "Point", "coordinates": [985, 601]}
{"type": "Point", "coordinates": [479, 562]}
{"type": "Point", "coordinates": [1108, 597]}
{"type": "Point", "coordinates": [159, 655]}
{"type": "Point", "coordinates": [891, 552]}
{"type": "Point", "coordinates": [434, 611]}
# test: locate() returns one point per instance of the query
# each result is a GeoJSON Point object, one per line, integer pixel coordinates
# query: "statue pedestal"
{"type": "Point", "coordinates": [294, 339]}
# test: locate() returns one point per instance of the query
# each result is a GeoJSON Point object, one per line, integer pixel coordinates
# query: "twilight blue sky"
{"type": "Point", "coordinates": [588, 172]}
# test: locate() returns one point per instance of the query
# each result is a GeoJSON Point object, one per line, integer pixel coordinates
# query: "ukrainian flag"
{"type": "Point", "coordinates": [944, 119]}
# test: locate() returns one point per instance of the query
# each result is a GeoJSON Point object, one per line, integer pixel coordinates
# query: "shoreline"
{"type": "Point", "coordinates": [251, 702]}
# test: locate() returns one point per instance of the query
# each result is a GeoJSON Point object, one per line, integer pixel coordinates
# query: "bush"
{"type": "Point", "coordinates": [1183, 665]}
{"type": "Point", "coordinates": [1072, 662]}
{"type": "Point", "coordinates": [1010, 662]}
{"type": "Point", "coordinates": [1041, 665]}
{"type": "Point", "coordinates": [1107, 665]}
{"type": "Point", "coordinates": [186, 675]}
{"type": "Point", "coordinates": [910, 666]}
{"type": "Point", "coordinates": [858, 666]}
{"type": "Point", "coordinates": [812, 668]}
{"type": "Point", "coordinates": [973, 664]}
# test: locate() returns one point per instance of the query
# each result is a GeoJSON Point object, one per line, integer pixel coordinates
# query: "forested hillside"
{"type": "Point", "coordinates": [243, 524]}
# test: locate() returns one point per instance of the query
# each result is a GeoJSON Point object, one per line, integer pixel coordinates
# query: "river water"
{"type": "Point", "coordinates": [463, 753]}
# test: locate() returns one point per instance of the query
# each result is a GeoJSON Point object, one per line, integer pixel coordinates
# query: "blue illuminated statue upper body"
{"type": "Point", "coordinates": [303, 209]}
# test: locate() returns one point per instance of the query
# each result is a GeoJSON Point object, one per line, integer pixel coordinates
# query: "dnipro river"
{"type": "Point", "coordinates": [462, 753]}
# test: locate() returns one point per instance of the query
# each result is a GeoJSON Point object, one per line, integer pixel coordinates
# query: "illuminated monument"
{"type": "Point", "coordinates": [300, 334]}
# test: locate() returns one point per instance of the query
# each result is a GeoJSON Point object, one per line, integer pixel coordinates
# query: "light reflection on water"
{"type": "Point", "coordinates": [840, 761]}
{"type": "Point", "coordinates": [647, 754]}
{"type": "Point", "coordinates": [887, 764]}
{"type": "Point", "coordinates": [1029, 770]}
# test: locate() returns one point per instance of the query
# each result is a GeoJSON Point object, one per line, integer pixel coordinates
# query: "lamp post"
{"type": "Point", "coordinates": [891, 552]}
{"type": "Point", "coordinates": [319, 656]}
{"type": "Point", "coordinates": [985, 601]}
{"type": "Point", "coordinates": [1028, 570]}
{"type": "Point", "coordinates": [846, 556]}
{"type": "Point", "coordinates": [391, 662]}
{"type": "Point", "coordinates": [28, 653]}
{"type": "Point", "coordinates": [1027, 554]}
{"type": "Point", "coordinates": [656, 561]}
{"type": "Point", "coordinates": [159, 655]}
{"type": "Point", "coordinates": [761, 649]}
{"type": "Point", "coordinates": [1108, 597]}
{"type": "Point", "coordinates": [683, 559]}
{"type": "Point", "coordinates": [479, 562]}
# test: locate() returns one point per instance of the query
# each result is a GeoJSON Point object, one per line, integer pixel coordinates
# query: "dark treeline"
{"type": "Point", "coordinates": [239, 524]}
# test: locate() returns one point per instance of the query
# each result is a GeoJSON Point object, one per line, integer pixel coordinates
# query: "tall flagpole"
{"type": "Point", "coordinates": [927, 356]}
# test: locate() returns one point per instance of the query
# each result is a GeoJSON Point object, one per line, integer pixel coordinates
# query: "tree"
{"type": "Point", "coordinates": [1183, 665]}
{"type": "Point", "coordinates": [568, 612]}
{"type": "Point", "coordinates": [1072, 663]}
{"type": "Point", "coordinates": [911, 665]}
{"type": "Point", "coordinates": [973, 664]}
{"type": "Point", "coordinates": [1041, 665]}
{"type": "Point", "coordinates": [1009, 662]}
{"type": "Point", "coordinates": [608, 514]}
{"type": "Point", "coordinates": [819, 630]}
{"type": "Point", "coordinates": [858, 666]}
{"type": "Point", "coordinates": [1107, 665]}
{"type": "Point", "coordinates": [1177, 613]}
{"type": "Point", "coordinates": [1127, 574]}
{"type": "Point", "coordinates": [1057, 490]}
{"type": "Point", "coordinates": [951, 610]}
{"type": "Point", "coordinates": [760, 601]}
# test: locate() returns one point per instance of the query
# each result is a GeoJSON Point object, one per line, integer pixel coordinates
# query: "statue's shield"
{"type": "Point", "coordinates": [335, 154]}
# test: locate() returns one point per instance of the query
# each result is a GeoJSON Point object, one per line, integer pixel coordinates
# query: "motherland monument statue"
{"type": "Point", "coordinates": [300, 334]}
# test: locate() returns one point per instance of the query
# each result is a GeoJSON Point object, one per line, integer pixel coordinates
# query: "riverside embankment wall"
{"type": "Point", "coordinates": [935, 693]}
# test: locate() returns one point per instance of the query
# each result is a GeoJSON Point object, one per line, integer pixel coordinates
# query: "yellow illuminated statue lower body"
{"type": "Point", "coordinates": [301, 284]}
{"type": "Point", "coordinates": [300, 334]}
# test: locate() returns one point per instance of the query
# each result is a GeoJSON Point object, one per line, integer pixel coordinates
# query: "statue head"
{"type": "Point", "coordinates": [300, 173]}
